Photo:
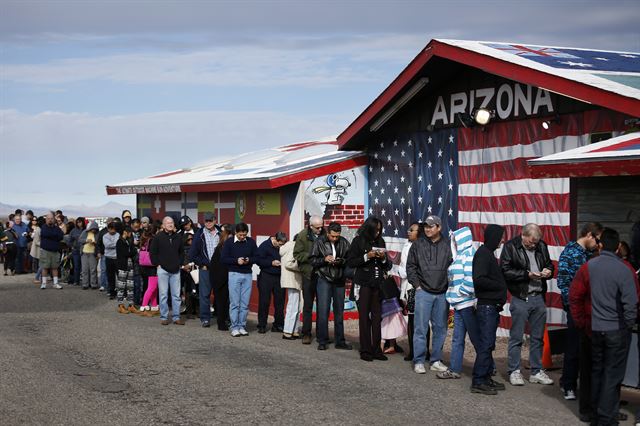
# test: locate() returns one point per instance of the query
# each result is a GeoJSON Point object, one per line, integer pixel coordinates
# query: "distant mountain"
{"type": "Point", "coordinates": [109, 209]}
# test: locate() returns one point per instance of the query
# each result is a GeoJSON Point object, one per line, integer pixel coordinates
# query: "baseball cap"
{"type": "Point", "coordinates": [433, 220]}
{"type": "Point", "coordinates": [209, 216]}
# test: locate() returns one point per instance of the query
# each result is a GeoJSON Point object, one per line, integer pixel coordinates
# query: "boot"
{"type": "Point", "coordinates": [122, 309]}
{"type": "Point", "coordinates": [132, 309]}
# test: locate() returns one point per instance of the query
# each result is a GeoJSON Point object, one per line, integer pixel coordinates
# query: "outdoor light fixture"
{"type": "Point", "coordinates": [399, 104]}
{"type": "Point", "coordinates": [482, 116]}
{"type": "Point", "coordinates": [546, 124]}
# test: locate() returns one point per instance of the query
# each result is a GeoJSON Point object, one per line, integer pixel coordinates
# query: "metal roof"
{"type": "Point", "coordinates": [268, 168]}
{"type": "Point", "coordinates": [618, 156]}
{"type": "Point", "coordinates": [606, 78]}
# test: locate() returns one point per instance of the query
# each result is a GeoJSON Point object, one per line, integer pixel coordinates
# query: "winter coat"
{"type": "Point", "coordinates": [35, 246]}
{"type": "Point", "coordinates": [460, 293]}
{"type": "Point", "coordinates": [427, 264]}
{"type": "Point", "coordinates": [167, 251]}
{"type": "Point", "coordinates": [332, 272]}
{"type": "Point", "coordinates": [125, 251]}
{"type": "Point", "coordinates": [218, 271]}
{"type": "Point", "coordinates": [290, 275]}
{"type": "Point", "coordinates": [304, 243]}
{"type": "Point", "coordinates": [368, 272]}
{"type": "Point", "coordinates": [515, 266]}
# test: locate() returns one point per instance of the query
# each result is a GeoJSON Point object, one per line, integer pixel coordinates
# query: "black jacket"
{"type": "Point", "coordinates": [218, 271]}
{"type": "Point", "coordinates": [167, 251]}
{"type": "Point", "coordinates": [371, 272]}
{"type": "Point", "coordinates": [124, 251]}
{"type": "Point", "coordinates": [515, 266]}
{"type": "Point", "coordinates": [332, 272]}
{"type": "Point", "coordinates": [488, 282]}
{"type": "Point", "coordinates": [427, 265]}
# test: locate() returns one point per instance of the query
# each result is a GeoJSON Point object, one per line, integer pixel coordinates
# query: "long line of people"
{"type": "Point", "coordinates": [141, 263]}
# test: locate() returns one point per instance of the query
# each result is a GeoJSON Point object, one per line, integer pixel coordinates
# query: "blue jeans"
{"type": "Point", "coordinates": [326, 292]}
{"type": "Point", "coordinates": [204, 290]}
{"type": "Point", "coordinates": [464, 321]}
{"type": "Point", "coordinates": [103, 272]}
{"type": "Point", "coordinates": [166, 281]}
{"type": "Point", "coordinates": [77, 268]}
{"type": "Point", "coordinates": [239, 295]}
{"type": "Point", "coordinates": [429, 307]}
{"type": "Point", "coordinates": [487, 317]}
{"type": "Point", "coordinates": [534, 311]}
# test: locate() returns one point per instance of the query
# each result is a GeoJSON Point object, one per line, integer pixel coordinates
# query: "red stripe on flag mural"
{"type": "Point", "coordinates": [524, 203]}
{"type": "Point", "coordinates": [494, 172]}
{"type": "Point", "coordinates": [554, 300]}
{"type": "Point", "coordinates": [552, 235]}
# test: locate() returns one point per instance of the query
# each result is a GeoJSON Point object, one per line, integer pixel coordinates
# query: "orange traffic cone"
{"type": "Point", "coordinates": [547, 362]}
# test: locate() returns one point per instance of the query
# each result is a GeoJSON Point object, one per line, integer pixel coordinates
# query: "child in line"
{"type": "Point", "coordinates": [125, 253]}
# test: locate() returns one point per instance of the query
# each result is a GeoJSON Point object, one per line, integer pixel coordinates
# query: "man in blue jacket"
{"type": "Point", "coordinates": [22, 230]}
{"type": "Point", "coordinates": [50, 237]}
{"type": "Point", "coordinates": [204, 244]}
{"type": "Point", "coordinates": [269, 283]}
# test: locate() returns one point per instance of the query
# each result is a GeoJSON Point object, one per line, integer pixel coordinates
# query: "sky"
{"type": "Point", "coordinates": [100, 92]}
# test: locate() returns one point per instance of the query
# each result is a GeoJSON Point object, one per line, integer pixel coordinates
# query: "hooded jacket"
{"type": "Point", "coordinates": [488, 281]}
{"type": "Point", "coordinates": [82, 240]}
{"type": "Point", "coordinates": [460, 293]}
{"type": "Point", "coordinates": [427, 264]}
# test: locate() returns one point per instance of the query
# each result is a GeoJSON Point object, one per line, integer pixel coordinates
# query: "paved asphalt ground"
{"type": "Point", "coordinates": [67, 357]}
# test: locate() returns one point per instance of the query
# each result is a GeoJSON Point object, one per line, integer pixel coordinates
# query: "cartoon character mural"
{"type": "Point", "coordinates": [336, 189]}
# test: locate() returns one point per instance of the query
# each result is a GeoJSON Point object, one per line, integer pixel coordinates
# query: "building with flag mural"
{"type": "Point", "coordinates": [271, 190]}
{"type": "Point", "coordinates": [452, 134]}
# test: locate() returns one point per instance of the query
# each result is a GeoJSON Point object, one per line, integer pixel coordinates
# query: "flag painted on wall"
{"type": "Point", "coordinates": [268, 203]}
{"type": "Point", "coordinates": [413, 177]}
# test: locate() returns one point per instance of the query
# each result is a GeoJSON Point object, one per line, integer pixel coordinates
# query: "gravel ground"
{"type": "Point", "coordinates": [67, 357]}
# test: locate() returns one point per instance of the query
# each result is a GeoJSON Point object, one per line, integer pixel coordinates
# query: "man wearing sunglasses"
{"type": "Point", "coordinates": [574, 255]}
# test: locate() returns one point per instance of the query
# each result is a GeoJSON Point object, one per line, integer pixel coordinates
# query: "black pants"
{"type": "Point", "coordinates": [112, 270]}
{"type": "Point", "coordinates": [609, 352]}
{"type": "Point", "coordinates": [269, 284]}
{"type": "Point", "coordinates": [584, 361]}
{"type": "Point", "coordinates": [10, 258]}
{"type": "Point", "coordinates": [309, 292]}
{"type": "Point", "coordinates": [410, 335]}
{"type": "Point", "coordinates": [570, 366]}
{"type": "Point", "coordinates": [221, 294]}
{"type": "Point", "coordinates": [370, 319]}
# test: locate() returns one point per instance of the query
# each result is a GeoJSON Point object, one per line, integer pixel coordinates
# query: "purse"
{"type": "Point", "coordinates": [144, 258]}
{"type": "Point", "coordinates": [195, 275]}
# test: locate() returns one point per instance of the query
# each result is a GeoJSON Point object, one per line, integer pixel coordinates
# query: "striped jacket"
{"type": "Point", "coordinates": [460, 293]}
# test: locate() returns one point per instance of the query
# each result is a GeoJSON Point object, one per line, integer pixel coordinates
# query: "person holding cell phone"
{"type": "Point", "coordinates": [527, 266]}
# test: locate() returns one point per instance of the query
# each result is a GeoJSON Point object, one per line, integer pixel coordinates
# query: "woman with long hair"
{"type": "Point", "coordinates": [367, 255]}
{"type": "Point", "coordinates": [219, 278]}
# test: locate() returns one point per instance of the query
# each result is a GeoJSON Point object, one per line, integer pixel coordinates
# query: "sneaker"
{"type": "Point", "coordinates": [43, 286]}
{"type": "Point", "coordinates": [516, 379]}
{"type": "Point", "coordinates": [484, 389]}
{"type": "Point", "coordinates": [235, 333]}
{"type": "Point", "coordinates": [438, 366]}
{"type": "Point", "coordinates": [540, 377]}
{"type": "Point", "coordinates": [101, 289]}
{"type": "Point", "coordinates": [447, 375]}
{"type": "Point", "coordinates": [497, 385]}
{"type": "Point", "coordinates": [419, 369]}
{"type": "Point", "coordinates": [569, 394]}
{"type": "Point", "coordinates": [243, 332]}
{"type": "Point", "coordinates": [57, 286]}
{"type": "Point", "coordinates": [206, 324]}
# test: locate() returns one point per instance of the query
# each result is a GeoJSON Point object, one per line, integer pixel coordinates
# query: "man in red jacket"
{"type": "Point", "coordinates": [603, 299]}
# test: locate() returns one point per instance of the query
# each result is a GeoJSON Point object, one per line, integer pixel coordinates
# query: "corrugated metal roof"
{"type": "Point", "coordinates": [616, 72]}
{"type": "Point", "coordinates": [263, 165]}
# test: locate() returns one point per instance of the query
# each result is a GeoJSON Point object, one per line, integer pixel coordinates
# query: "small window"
{"type": "Point", "coordinates": [599, 137]}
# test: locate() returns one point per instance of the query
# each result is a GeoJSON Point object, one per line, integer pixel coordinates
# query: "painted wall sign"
{"type": "Point", "coordinates": [510, 100]}
{"type": "Point", "coordinates": [148, 189]}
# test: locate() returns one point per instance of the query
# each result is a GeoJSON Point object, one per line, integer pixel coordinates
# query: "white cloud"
{"type": "Point", "coordinates": [303, 62]}
{"type": "Point", "coordinates": [66, 154]}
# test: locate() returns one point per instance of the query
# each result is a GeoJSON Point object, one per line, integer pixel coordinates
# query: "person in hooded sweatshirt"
{"type": "Point", "coordinates": [461, 298]}
{"type": "Point", "coordinates": [87, 241]}
{"type": "Point", "coordinates": [427, 264]}
{"type": "Point", "coordinates": [490, 290]}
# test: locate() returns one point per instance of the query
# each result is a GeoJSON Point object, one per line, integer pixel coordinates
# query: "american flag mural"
{"type": "Point", "coordinates": [474, 177]}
